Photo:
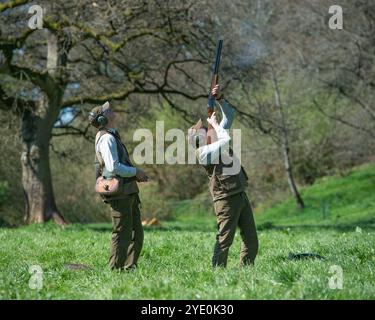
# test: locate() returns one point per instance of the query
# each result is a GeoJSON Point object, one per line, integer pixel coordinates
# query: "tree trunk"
{"type": "Point", "coordinates": [289, 173]}
{"type": "Point", "coordinates": [36, 134]}
{"type": "Point", "coordinates": [36, 174]}
{"type": "Point", "coordinates": [285, 146]}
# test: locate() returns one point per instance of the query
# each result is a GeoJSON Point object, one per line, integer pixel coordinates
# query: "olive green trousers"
{"type": "Point", "coordinates": [127, 232]}
{"type": "Point", "coordinates": [231, 212]}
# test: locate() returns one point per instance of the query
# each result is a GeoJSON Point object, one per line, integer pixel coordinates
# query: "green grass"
{"type": "Point", "coordinates": [175, 263]}
{"type": "Point", "coordinates": [338, 202]}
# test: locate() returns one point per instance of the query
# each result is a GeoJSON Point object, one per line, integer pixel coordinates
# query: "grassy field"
{"type": "Point", "coordinates": [338, 224]}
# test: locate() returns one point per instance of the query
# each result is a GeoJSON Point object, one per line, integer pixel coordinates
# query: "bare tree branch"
{"type": "Point", "coordinates": [12, 4]}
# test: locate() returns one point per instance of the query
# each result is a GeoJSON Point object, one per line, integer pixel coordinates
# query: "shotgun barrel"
{"type": "Point", "coordinates": [214, 81]}
{"type": "Point", "coordinates": [215, 77]}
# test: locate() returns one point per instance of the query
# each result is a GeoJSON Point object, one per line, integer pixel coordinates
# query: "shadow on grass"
{"type": "Point", "coordinates": [100, 227]}
{"type": "Point", "coordinates": [169, 226]}
{"type": "Point", "coordinates": [366, 224]}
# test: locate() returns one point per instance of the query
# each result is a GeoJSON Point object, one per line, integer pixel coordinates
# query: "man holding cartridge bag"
{"type": "Point", "coordinates": [113, 162]}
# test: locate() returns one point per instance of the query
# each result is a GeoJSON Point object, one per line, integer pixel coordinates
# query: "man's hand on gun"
{"type": "Point", "coordinates": [216, 92]}
{"type": "Point", "coordinates": [141, 176]}
{"type": "Point", "coordinates": [212, 121]}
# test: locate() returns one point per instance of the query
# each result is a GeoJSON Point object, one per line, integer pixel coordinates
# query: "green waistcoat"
{"type": "Point", "coordinates": [221, 185]}
{"type": "Point", "coordinates": [129, 185]}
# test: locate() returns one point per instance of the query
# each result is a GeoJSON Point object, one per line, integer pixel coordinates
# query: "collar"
{"type": "Point", "coordinates": [112, 131]}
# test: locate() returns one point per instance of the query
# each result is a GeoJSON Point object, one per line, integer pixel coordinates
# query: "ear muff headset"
{"type": "Point", "coordinates": [98, 120]}
{"type": "Point", "coordinates": [199, 141]}
{"type": "Point", "coordinates": [102, 120]}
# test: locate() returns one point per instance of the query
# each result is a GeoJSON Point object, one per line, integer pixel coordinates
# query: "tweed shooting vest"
{"type": "Point", "coordinates": [129, 185]}
{"type": "Point", "coordinates": [224, 185]}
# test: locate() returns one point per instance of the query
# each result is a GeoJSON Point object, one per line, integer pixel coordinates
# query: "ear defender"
{"type": "Point", "coordinates": [102, 120]}
{"type": "Point", "coordinates": [97, 120]}
{"type": "Point", "coordinates": [198, 141]}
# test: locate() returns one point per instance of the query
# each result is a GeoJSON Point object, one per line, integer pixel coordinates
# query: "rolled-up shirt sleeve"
{"type": "Point", "coordinates": [208, 154]}
{"type": "Point", "coordinates": [107, 147]}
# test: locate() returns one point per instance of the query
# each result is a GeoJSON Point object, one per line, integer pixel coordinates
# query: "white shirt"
{"type": "Point", "coordinates": [107, 147]}
{"type": "Point", "coordinates": [207, 154]}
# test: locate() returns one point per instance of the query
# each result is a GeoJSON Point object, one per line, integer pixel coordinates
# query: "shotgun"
{"type": "Point", "coordinates": [214, 81]}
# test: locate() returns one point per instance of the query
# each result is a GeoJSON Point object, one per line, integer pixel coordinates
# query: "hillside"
{"type": "Point", "coordinates": [337, 201]}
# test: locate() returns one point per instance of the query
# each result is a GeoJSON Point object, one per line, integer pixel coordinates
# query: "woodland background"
{"type": "Point", "coordinates": [304, 96]}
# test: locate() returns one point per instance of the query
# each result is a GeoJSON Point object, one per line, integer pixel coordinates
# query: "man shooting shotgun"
{"type": "Point", "coordinates": [231, 204]}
